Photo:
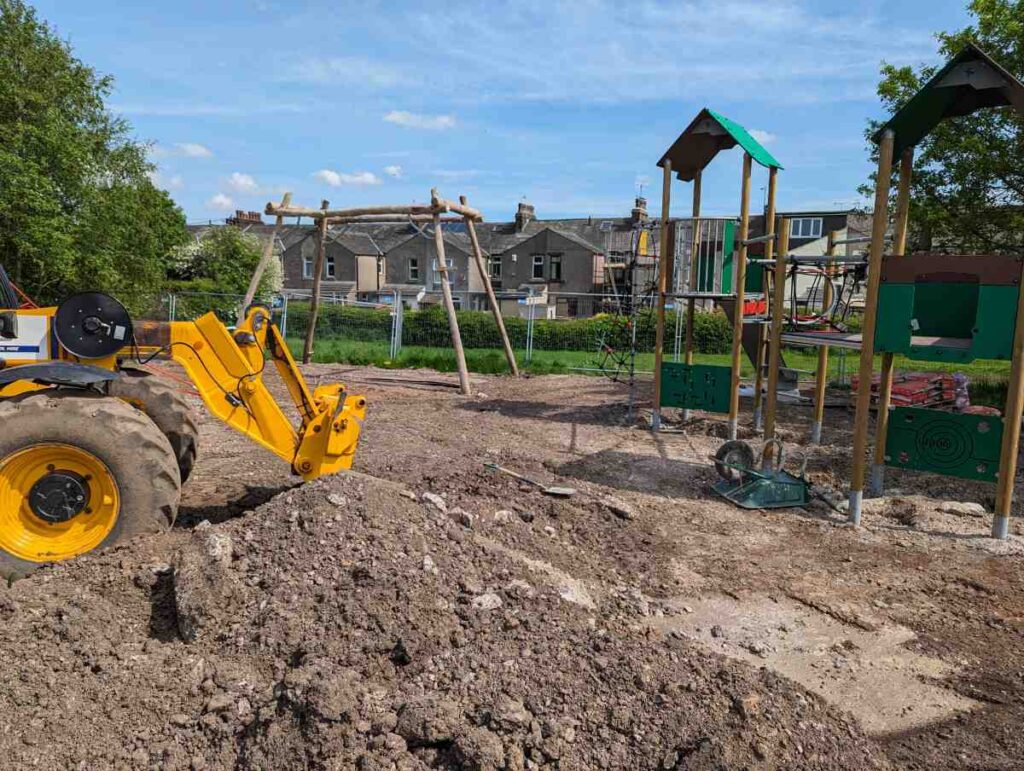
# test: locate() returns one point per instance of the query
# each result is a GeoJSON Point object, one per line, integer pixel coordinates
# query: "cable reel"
{"type": "Point", "coordinates": [92, 325]}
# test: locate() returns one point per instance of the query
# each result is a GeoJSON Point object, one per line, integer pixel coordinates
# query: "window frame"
{"type": "Point", "coordinates": [538, 261]}
{"type": "Point", "coordinates": [553, 260]}
{"type": "Point", "coordinates": [330, 268]}
{"type": "Point", "coordinates": [494, 267]}
{"type": "Point", "coordinates": [797, 224]}
{"type": "Point", "coordinates": [414, 269]}
{"type": "Point", "coordinates": [307, 267]}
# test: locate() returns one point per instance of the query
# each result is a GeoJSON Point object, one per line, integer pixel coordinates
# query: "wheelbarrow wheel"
{"type": "Point", "coordinates": [731, 457]}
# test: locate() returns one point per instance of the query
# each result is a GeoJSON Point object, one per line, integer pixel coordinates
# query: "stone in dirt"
{"type": "Point", "coordinates": [619, 508]}
{"type": "Point", "coordinates": [436, 501]}
{"type": "Point", "coordinates": [328, 645]}
{"type": "Point", "coordinates": [963, 509]}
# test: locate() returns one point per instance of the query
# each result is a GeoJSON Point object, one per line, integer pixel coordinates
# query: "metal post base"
{"type": "Point", "coordinates": [656, 420]}
{"type": "Point", "coordinates": [816, 432]}
{"type": "Point", "coordinates": [733, 429]}
{"type": "Point", "coordinates": [1001, 527]}
{"type": "Point", "coordinates": [876, 484]}
{"type": "Point", "coordinates": [856, 497]}
{"type": "Point", "coordinates": [758, 422]}
{"type": "Point", "coordinates": [686, 416]}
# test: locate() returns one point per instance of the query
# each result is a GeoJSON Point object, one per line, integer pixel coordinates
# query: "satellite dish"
{"type": "Point", "coordinates": [92, 325]}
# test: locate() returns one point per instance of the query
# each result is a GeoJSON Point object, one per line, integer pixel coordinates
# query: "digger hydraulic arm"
{"type": "Point", "coordinates": [227, 370]}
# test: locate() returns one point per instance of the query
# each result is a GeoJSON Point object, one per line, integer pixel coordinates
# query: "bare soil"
{"type": "Point", "coordinates": [427, 612]}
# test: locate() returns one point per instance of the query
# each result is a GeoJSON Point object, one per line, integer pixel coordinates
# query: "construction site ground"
{"type": "Point", "coordinates": [451, 617]}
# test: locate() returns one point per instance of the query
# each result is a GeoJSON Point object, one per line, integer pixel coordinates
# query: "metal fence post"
{"type": "Point", "coordinates": [529, 333]}
{"type": "Point", "coordinates": [284, 316]}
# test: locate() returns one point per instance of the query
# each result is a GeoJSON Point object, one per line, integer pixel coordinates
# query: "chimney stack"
{"type": "Point", "coordinates": [524, 215]}
{"type": "Point", "coordinates": [639, 213]}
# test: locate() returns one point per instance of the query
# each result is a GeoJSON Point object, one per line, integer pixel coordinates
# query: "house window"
{"type": "Point", "coordinates": [307, 267]}
{"type": "Point", "coordinates": [414, 268]}
{"type": "Point", "coordinates": [538, 267]}
{"type": "Point", "coordinates": [555, 267]}
{"type": "Point", "coordinates": [495, 267]}
{"type": "Point", "coordinates": [805, 227]}
{"type": "Point", "coordinates": [329, 269]}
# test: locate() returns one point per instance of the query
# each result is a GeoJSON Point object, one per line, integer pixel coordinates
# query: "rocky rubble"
{"type": "Point", "coordinates": [349, 625]}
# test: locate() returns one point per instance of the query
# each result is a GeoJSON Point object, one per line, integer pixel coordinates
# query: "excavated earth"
{"type": "Point", "coordinates": [423, 612]}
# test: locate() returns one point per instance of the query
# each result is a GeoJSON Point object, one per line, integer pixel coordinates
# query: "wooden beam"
{"type": "Point", "coordinates": [389, 219]}
{"type": "Point", "coordinates": [449, 305]}
{"type": "Point", "coordinates": [741, 277]}
{"type": "Point", "coordinates": [261, 266]}
{"type": "Point", "coordinates": [769, 250]}
{"type": "Point", "coordinates": [775, 341]}
{"type": "Point", "coordinates": [879, 224]}
{"type": "Point", "coordinates": [876, 481]}
{"type": "Point", "coordinates": [663, 262]}
{"type": "Point", "coordinates": [314, 299]}
{"type": "Point", "coordinates": [1011, 427]}
{"type": "Point", "coordinates": [485, 276]}
{"type": "Point", "coordinates": [691, 280]}
{"type": "Point", "coordinates": [441, 206]}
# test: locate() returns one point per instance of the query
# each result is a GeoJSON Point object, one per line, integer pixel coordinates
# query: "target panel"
{"type": "Point", "coordinates": [695, 386]}
{"type": "Point", "coordinates": [947, 443]}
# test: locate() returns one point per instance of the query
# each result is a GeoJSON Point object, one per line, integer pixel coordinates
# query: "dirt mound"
{"type": "Point", "coordinates": [347, 625]}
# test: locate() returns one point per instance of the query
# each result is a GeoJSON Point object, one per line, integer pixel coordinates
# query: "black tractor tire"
{"type": "Point", "coordinates": [137, 455]}
{"type": "Point", "coordinates": [732, 454]}
{"type": "Point", "coordinates": [166, 407]}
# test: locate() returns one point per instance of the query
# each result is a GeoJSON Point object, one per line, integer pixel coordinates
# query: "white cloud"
{"type": "Point", "coordinates": [457, 173]}
{"type": "Point", "coordinates": [393, 171]}
{"type": "Point", "coordinates": [193, 150]}
{"type": "Point", "coordinates": [419, 121]}
{"type": "Point", "coordinates": [339, 178]}
{"type": "Point", "coordinates": [221, 202]}
{"type": "Point", "coordinates": [243, 183]}
{"type": "Point", "coordinates": [764, 137]}
{"type": "Point", "coordinates": [164, 182]}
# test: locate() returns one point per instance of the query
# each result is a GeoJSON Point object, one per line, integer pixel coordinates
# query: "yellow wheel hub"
{"type": "Point", "coordinates": [56, 502]}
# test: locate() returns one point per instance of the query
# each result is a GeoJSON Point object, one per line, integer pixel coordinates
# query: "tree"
{"type": "Point", "coordinates": [968, 191]}
{"type": "Point", "coordinates": [77, 208]}
{"type": "Point", "coordinates": [212, 272]}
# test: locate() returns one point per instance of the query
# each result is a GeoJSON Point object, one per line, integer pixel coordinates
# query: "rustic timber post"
{"type": "Point", "coordinates": [876, 482]}
{"type": "Point", "coordinates": [485, 276]}
{"type": "Point", "coordinates": [769, 249]}
{"type": "Point", "coordinates": [879, 225]}
{"type": "Point", "coordinates": [775, 342]}
{"type": "Point", "coordinates": [446, 292]}
{"type": "Point", "coordinates": [821, 374]}
{"type": "Point", "coordinates": [268, 251]}
{"type": "Point", "coordinates": [741, 277]}
{"type": "Point", "coordinates": [1011, 426]}
{"type": "Point", "coordinates": [664, 262]}
{"type": "Point", "coordinates": [691, 281]}
{"type": "Point", "coordinates": [314, 299]}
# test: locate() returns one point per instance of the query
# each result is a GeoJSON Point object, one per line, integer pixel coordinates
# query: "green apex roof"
{"type": "Point", "coordinates": [707, 135]}
{"type": "Point", "coordinates": [969, 82]}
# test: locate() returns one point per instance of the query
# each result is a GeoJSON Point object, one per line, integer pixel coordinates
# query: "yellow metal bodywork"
{"type": "Point", "coordinates": [31, 538]}
{"type": "Point", "coordinates": [227, 371]}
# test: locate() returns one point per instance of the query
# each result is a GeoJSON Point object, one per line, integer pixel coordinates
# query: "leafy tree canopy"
{"type": "Point", "coordinates": [968, 191]}
{"type": "Point", "coordinates": [77, 208]}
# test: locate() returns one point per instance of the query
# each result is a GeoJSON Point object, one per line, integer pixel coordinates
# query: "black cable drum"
{"type": "Point", "coordinates": [92, 325]}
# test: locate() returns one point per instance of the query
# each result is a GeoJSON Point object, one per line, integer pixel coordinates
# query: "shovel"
{"type": "Point", "coordinates": [558, 492]}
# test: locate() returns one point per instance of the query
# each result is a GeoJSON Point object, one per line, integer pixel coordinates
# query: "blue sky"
{"type": "Point", "coordinates": [568, 105]}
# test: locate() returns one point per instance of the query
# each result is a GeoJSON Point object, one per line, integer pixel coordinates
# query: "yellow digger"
{"type": "Point", "coordinates": [94, 449]}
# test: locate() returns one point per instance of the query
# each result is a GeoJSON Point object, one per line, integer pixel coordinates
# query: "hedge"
{"type": "Point", "coordinates": [429, 327]}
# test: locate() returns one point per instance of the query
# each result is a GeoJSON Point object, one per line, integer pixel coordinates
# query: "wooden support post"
{"type": "Point", "coordinates": [741, 277]}
{"type": "Point", "coordinates": [449, 305]}
{"type": "Point", "coordinates": [821, 374]}
{"type": "Point", "coordinates": [314, 299]}
{"type": "Point", "coordinates": [663, 263]}
{"type": "Point", "coordinates": [760, 365]}
{"type": "Point", "coordinates": [879, 225]}
{"type": "Point", "coordinates": [769, 249]}
{"type": "Point", "coordinates": [876, 481]}
{"type": "Point", "coordinates": [268, 252]}
{"type": "Point", "coordinates": [691, 279]}
{"type": "Point", "coordinates": [485, 277]}
{"type": "Point", "coordinates": [775, 341]}
{"type": "Point", "coordinates": [1011, 426]}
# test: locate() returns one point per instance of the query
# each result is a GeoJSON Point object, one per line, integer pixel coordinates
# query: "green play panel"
{"type": "Point", "coordinates": [946, 443]}
{"type": "Point", "coordinates": [695, 386]}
